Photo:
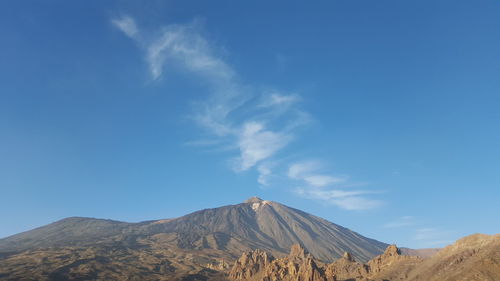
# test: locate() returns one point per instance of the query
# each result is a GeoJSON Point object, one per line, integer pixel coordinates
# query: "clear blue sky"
{"type": "Point", "coordinates": [382, 116]}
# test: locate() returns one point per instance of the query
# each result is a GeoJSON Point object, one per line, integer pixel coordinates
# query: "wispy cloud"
{"type": "Point", "coordinates": [307, 171]}
{"type": "Point", "coordinates": [401, 222]}
{"type": "Point", "coordinates": [348, 200]}
{"type": "Point", "coordinates": [277, 99]}
{"type": "Point", "coordinates": [127, 25]}
{"type": "Point", "coordinates": [432, 237]}
{"type": "Point", "coordinates": [423, 236]}
{"type": "Point", "coordinates": [322, 186]}
{"type": "Point", "coordinates": [265, 173]}
{"type": "Point", "coordinates": [256, 144]}
{"type": "Point", "coordinates": [256, 124]}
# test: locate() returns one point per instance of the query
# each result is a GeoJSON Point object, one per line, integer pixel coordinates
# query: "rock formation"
{"type": "Point", "coordinates": [297, 266]}
{"type": "Point", "coordinates": [345, 268]}
{"type": "Point", "coordinates": [476, 257]}
{"type": "Point", "coordinates": [250, 264]}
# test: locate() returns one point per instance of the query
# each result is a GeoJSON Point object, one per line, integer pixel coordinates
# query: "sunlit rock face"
{"type": "Point", "coordinates": [298, 265]}
{"type": "Point", "coordinates": [476, 257]}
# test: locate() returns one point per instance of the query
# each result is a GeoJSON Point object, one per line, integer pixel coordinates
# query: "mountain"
{"type": "Point", "coordinates": [228, 230]}
{"type": "Point", "coordinates": [196, 246]}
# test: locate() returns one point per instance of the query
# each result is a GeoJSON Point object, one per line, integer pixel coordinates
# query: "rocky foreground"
{"type": "Point", "coordinates": [476, 257]}
{"type": "Point", "coordinates": [299, 265]}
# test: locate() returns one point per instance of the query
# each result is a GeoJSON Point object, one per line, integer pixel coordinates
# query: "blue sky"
{"type": "Point", "coordinates": [381, 116]}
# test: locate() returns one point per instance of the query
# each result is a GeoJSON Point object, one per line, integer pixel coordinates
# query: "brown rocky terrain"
{"type": "Point", "coordinates": [475, 257]}
{"type": "Point", "coordinates": [107, 263]}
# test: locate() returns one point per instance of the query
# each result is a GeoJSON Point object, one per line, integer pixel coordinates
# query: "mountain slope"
{"type": "Point", "coordinates": [272, 227]}
{"type": "Point", "coordinates": [230, 229]}
{"type": "Point", "coordinates": [475, 257]}
{"type": "Point", "coordinates": [66, 232]}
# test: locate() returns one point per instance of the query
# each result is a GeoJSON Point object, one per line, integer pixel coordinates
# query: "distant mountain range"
{"type": "Point", "coordinates": [199, 246]}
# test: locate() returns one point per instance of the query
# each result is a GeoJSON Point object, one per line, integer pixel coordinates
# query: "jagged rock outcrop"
{"type": "Point", "coordinates": [346, 268]}
{"type": "Point", "coordinates": [250, 264]}
{"type": "Point", "coordinates": [297, 266]}
{"type": "Point", "coordinates": [391, 265]}
{"type": "Point", "coordinates": [390, 256]}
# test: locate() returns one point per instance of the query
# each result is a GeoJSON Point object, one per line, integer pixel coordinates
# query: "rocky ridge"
{"type": "Point", "coordinates": [302, 266]}
{"type": "Point", "coordinates": [476, 257]}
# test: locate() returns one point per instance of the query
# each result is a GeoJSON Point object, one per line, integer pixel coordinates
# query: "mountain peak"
{"type": "Point", "coordinates": [256, 202]}
{"type": "Point", "coordinates": [254, 199]}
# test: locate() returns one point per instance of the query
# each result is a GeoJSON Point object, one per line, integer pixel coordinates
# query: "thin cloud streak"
{"type": "Point", "coordinates": [432, 237]}
{"type": "Point", "coordinates": [348, 200]}
{"type": "Point", "coordinates": [324, 187]}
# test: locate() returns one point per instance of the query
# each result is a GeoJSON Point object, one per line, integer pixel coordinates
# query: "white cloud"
{"type": "Point", "coordinates": [256, 144]}
{"type": "Point", "coordinates": [322, 180]}
{"type": "Point", "coordinates": [182, 43]}
{"type": "Point", "coordinates": [299, 170]}
{"type": "Point", "coordinates": [278, 99]}
{"type": "Point", "coordinates": [310, 172]}
{"type": "Point", "coordinates": [324, 187]}
{"type": "Point", "coordinates": [356, 203]}
{"type": "Point", "coordinates": [127, 25]}
{"type": "Point", "coordinates": [264, 174]}
{"type": "Point", "coordinates": [348, 200]}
